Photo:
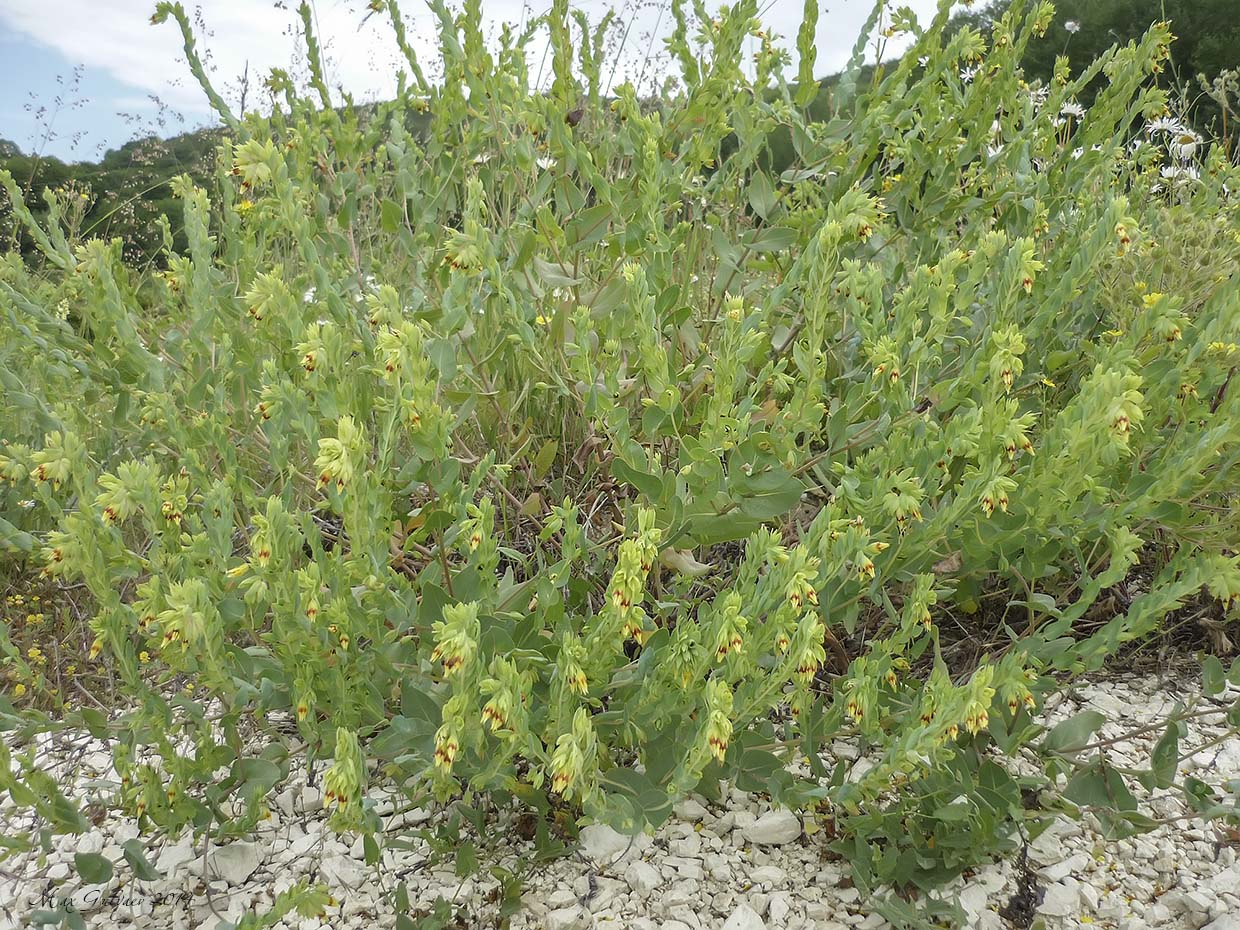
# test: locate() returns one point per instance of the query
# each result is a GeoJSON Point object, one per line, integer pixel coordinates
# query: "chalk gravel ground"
{"type": "Point", "coordinates": [735, 866]}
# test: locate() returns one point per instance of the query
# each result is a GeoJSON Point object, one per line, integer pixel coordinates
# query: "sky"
{"type": "Point", "coordinates": [80, 76]}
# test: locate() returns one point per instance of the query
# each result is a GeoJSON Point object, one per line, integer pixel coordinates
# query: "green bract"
{"type": "Point", "coordinates": [604, 458]}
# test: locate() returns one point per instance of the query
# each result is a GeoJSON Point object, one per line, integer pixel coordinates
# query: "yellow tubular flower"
{"type": "Point", "coordinates": [718, 730]}
{"type": "Point", "coordinates": [447, 745]}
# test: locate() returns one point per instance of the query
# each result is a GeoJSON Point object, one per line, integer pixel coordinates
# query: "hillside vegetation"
{"type": "Point", "coordinates": [127, 190]}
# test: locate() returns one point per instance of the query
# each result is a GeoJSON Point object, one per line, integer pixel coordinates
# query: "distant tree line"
{"type": "Point", "coordinates": [125, 192]}
{"type": "Point", "coordinates": [1207, 44]}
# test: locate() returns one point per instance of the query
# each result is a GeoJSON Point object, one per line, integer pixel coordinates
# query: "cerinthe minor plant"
{"type": "Point", "coordinates": [602, 459]}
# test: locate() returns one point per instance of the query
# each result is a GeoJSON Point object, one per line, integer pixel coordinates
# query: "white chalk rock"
{"type": "Point", "coordinates": [233, 863]}
{"type": "Point", "coordinates": [744, 918]}
{"type": "Point", "coordinates": [643, 878]}
{"type": "Point", "coordinates": [774, 828]}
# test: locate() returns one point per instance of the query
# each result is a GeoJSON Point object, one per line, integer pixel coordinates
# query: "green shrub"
{"type": "Point", "coordinates": [561, 458]}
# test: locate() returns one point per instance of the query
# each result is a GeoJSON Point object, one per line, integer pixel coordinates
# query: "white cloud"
{"type": "Point", "coordinates": [114, 36]}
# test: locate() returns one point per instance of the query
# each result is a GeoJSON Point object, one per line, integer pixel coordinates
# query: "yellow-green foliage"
{"type": "Point", "coordinates": [546, 455]}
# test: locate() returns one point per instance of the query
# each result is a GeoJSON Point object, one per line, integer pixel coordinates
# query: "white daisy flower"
{"type": "Point", "coordinates": [1166, 124]}
{"type": "Point", "coordinates": [1184, 144]}
{"type": "Point", "coordinates": [968, 74]}
{"type": "Point", "coordinates": [1072, 26]}
{"type": "Point", "coordinates": [1180, 174]}
{"type": "Point", "coordinates": [1072, 108]}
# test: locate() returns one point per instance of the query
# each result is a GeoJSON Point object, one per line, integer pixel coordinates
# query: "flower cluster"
{"type": "Point", "coordinates": [633, 564]}
{"type": "Point", "coordinates": [572, 766]}
{"type": "Point", "coordinates": [730, 626]}
{"type": "Point", "coordinates": [506, 707]}
{"type": "Point", "coordinates": [456, 638]}
{"type": "Point", "coordinates": [345, 780]}
{"type": "Point", "coordinates": [718, 728]}
{"type": "Point", "coordinates": [340, 458]}
{"type": "Point", "coordinates": [125, 492]}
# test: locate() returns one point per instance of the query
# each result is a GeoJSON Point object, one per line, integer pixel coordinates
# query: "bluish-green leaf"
{"type": "Point", "coordinates": [92, 868]}
{"type": "Point", "coordinates": [135, 855]}
{"type": "Point", "coordinates": [1213, 678]}
{"type": "Point", "coordinates": [1073, 734]}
